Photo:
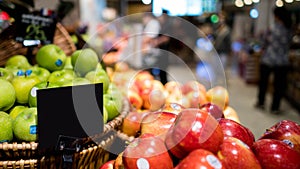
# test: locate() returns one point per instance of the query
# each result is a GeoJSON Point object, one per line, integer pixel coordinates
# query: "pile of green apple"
{"type": "Point", "coordinates": [19, 82]}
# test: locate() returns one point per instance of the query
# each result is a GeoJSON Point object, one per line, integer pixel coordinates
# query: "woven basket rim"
{"type": "Point", "coordinates": [109, 126]}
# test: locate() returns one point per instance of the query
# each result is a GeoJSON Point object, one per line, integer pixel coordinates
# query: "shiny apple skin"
{"type": "Point", "coordinates": [157, 123]}
{"type": "Point", "coordinates": [147, 151]}
{"type": "Point", "coordinates": [275, 154]}
{"type": "Point", "coordinates": [237, 130]}
{"type": "Point", "coordinates": [285, 130]}
{"type": "Point", "coordinates": [234, 154]}
{"type": "Point", "coordinates": [200, 158]}
{"type": "Point", "coordinates": [194, 129]}
{"type": "Point", "coordinates": [213, 109]}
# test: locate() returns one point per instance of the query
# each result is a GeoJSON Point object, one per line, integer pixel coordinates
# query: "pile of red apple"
{"type": "Point", "coordinates": [185, 126]}
{"type": "Point", "coordinates": [145, 93]}
{"type": "Point", "coordinates": [194, 138]}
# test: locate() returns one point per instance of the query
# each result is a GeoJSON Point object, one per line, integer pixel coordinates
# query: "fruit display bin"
{"type": "Point", "coordinates": [26, 155]}
{"type": "Point", "coordinates": [9, 46]}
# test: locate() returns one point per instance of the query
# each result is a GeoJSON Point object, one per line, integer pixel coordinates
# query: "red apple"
{"type": "Point", "coordinates": [196, 99]}
{"type": "Point", "coordinates": [230, 113]}
{"type": "Point", "coordinates": [176, 97]}
{"type": "Point", "coordinates": [219, 96]}
{"type": "Point", "coordinates": [147, 151]}
{"type": "Point", "coordinates": [158, 123]}
{"type": "Point", "coordinates": [132, 123]}
{"type": "Point", "coordinates": [135, 99]}
{"type": "Point", "coordinates": [236, 154]}
{"type": "Point", "coordinates": [153, 99]}
{"type": "Point", "coordinates": [175, 108]}
{"type": "Point", "coordinates": [237, 130]}
{"type": "Point", "coordinates": [287, 131]}
{"type": "Point", "coordinates": [193, 86]}
{"type": "Point", "coordinates": [108, 165]}
{"type": "Point", "coordinates": [172, 86]}
{"type": "Point", "coordinates": [194, 129]}
{"type": "Point", "coordinates": [143, 80]}
{"type": "Point", "coordinates": [157, 85]}
{"type": "Point", "coordinates": [213, 109]}
{"type": "Point", "coordinates": [275, 154]}
{"type": "Point", "coordinates": [200, 158]}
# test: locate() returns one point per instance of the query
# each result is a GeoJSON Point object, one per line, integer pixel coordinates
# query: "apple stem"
{"type": "Point", "coordinates": [47, 84]}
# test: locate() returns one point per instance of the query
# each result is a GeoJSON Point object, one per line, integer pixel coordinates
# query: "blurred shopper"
{"type": "Point", "coordinates": [150, 32]}
{"type": "Point", "coordinates": [162, 41]}
{"type": "Point", "coordinates": [275, 60]}
{"type": "Point", "coordinates": [223, 39]}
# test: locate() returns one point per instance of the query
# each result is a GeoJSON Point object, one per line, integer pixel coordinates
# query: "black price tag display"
{"type": "Point", "coordinates": [73, 111]}
{"type": "Point", "coordinates": [34, 29]}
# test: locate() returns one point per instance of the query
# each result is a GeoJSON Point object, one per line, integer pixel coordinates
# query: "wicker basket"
{"type": "Point", "coordinates": [9, 46]}
{"type": "Point", "coordinates": [25, 155]}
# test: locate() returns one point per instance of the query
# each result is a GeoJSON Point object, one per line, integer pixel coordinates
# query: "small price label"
{"type": "Point", "coordinates": [33, 129]}
{"type": "Point", "coordinates": [35, 27]}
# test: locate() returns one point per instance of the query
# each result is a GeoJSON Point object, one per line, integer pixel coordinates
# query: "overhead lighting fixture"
{"type": "Point", "coordinates": [248, 2]}
{"type": "Point", "coordinates": [257, 1]}
{"type": "Point", "coordinates": [254, 13]}
{"type": "Point", "coordinates": [146, 2]}
{"type": "Point", "coordinates": [289, 1]}
{"type": "Point", "coordinates": [279, 3]}
{"type": "Point", "coordinates": [239, 3]}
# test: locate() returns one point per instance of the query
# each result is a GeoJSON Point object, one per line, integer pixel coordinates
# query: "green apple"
{"type": "Point", "coordinates": [113, 105]}
{"type": "Point", "coordinates": [18, 61]}
{"type": "Point", "coordinates": [7, 95]}
{"type": "Point", "coordinates": [25, 125]}
{"type": "Point", "coordinates": [114, 90]}
{"type": "Point", "coordinates": [105, 115]}
{"type": "Point", "coordinates": [14, 70]}
{"type": "Point", "coordinates": [23, 85]}
{"type": "Point", "coordinates": [77, 81]}
{"type": "Point", "coordinates": [68, 63]}
{"type": "Point", "coordinates": [6, 128]}
{"type": "Point", "coordinates": [40, 72]}
{"type": "Point", "coordinates": [61, 77]}
{"type": "Point", "coordinates": [99, 76]}
{"type": "Point", "coordinates": [84, 61]}
{"type": "Point", "coordinates": [15, 111]}
{"type": "Point", "coordinates": [6, 74]}
{"type": "Point", "coordinates": [51, 57]}
{"type": "Point", "coordinates": [32, 100]}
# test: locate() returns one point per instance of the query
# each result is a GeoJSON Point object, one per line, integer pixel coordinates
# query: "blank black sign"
{"type": "Point", "coordinates": [69, 111]}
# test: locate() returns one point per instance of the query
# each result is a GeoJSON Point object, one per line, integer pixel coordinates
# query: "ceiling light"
{"type": "Point", "coordinates": [288, 1]}
{"type": "Point", "coordinates": [239, 3]}
{"type": "Point", "coordinates": [146, 2]}
{"type": "Point", "coordinates": [248, 2]}
{"type": "Point", "coordinates": [257, 1]}
{"type": "Point", "coordinates": [254, 13]}
{"type": "Point", "coordinates": [279, 3]}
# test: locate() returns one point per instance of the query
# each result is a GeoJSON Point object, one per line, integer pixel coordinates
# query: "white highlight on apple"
{"type": "Point", "coordinates": [33, 91]}
{"type": "Point", "coordinates": [214, 162]}
{"type": "Point", "coordinates": [142, 163]}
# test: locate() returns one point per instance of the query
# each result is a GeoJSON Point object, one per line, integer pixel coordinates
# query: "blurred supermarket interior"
{"type": "Point", "coordinates": [248, 20]}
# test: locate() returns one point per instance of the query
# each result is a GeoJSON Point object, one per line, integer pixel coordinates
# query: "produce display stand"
{"type": "Point", "coordinates": [9, 46]}
{"type": "Point", "coordinates": [25, 155]}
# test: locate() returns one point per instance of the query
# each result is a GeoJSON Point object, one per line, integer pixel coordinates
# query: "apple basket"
{"type": "Point", "coordinates": [9, 46]}
{"type": "Point", "coordinates": [26, 155]}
